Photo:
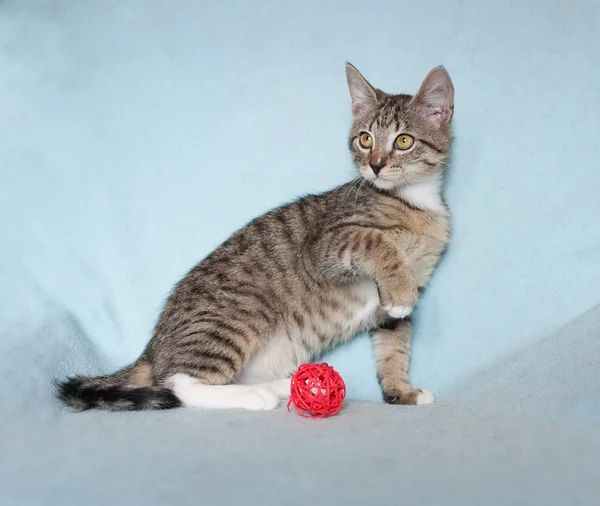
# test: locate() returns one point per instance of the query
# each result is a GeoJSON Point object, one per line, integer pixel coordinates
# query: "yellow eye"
{"type": "Point", "coordinates": [404, 142]}
{"type": "Point", "coordinates": [366, 141]}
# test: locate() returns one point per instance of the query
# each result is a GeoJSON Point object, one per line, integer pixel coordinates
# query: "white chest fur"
{"type": "Point", "coordinates": [426, 195]}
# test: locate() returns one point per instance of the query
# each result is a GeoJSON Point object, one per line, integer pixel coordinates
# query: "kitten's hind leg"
{"type": "Point", "coordinates": [195, 394]}
{"type": "Point", "coordinates": [392, 355]}
{"type": "Point", "coordinates": [205, 361]}
{"type": "Point", "coordinates": [281, 387]}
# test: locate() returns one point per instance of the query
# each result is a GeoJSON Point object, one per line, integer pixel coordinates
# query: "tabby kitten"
{"type": "Point", "coordinates": [306, 276]}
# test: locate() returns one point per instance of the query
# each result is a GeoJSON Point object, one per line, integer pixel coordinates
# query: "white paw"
{"type": "Point", "coordinates": [398, 311]}
{"type": "Point", "coordinates": [259, 398]}
{"type": "Point", "coordinates": [424, 397]}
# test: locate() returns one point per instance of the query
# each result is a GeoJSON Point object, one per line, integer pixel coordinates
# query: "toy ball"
{"type": "Point", "coordinates": [317, 391]}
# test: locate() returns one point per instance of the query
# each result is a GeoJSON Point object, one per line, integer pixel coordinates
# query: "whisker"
{"type": "Point", "coordinates": [344, 186]}
{"type": "Point", "coordinates": [360, 187]}
{"type": "Point", "coordinates": [349, 192]}
{"type": "Point", "coordinates": [332, 192]}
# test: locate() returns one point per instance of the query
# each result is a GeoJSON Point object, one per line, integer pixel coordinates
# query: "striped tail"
{"type": "Point", "coordinates": [115, 393]}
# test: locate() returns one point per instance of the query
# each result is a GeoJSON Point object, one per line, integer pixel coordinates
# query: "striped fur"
{"type": "Point", "coordinates": [306, 276]}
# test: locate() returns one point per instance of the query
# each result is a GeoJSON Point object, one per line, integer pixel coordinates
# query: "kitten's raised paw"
{"type": "Point", "coordinates": [414, 397]}
{"type": "Point", "coordinates": [398, 311]}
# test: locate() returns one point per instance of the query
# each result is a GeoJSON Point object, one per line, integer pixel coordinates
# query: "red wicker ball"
{"type": "Point", "coordinates": [317, 391]}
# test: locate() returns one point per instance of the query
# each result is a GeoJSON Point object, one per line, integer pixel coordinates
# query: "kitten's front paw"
{"type": "Point", "coordinates": [424, 397]}
{"type": "Point", "coordinates": [414, 397]}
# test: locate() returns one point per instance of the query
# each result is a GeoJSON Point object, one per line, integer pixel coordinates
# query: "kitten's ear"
{"type": "Point", "coordinates": [364, 96]}
{"type": "Point", "coordinates": [435, 98]}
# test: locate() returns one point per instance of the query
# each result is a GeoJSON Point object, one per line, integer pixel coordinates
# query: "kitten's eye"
{"type": "Point", "coordinates": [404, 142]}
{"type": "Point", "coordinates": [366, 141]}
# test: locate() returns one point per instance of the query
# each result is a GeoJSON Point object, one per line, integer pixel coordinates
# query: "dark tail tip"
{"type": "Point", "coordinates": [69, 393]}
{"type": "Point", "coordinates": [80, 394]}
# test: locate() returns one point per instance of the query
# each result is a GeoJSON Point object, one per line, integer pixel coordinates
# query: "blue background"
{"type": "Point", "coordinates": [136, 136]}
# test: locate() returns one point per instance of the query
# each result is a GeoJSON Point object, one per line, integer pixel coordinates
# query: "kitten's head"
{"type": "Point", "coordinates": [399, 140]}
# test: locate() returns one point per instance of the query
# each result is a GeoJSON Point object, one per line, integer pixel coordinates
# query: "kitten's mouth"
{"type": "Point", "coordinates": [382, 181]}
{"type": "Point", "coordinates": [370, 176]}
